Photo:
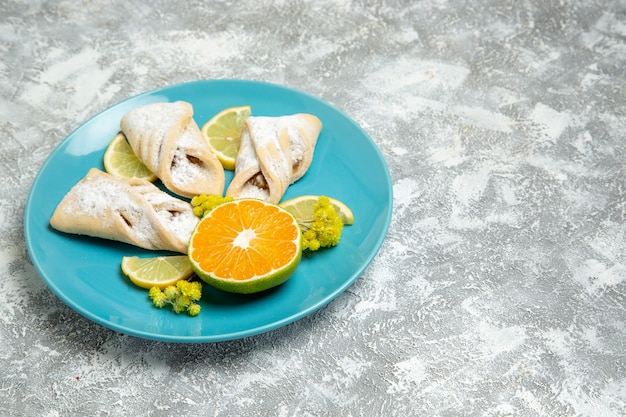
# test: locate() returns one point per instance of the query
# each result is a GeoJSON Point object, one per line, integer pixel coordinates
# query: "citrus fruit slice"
{"type": "Point", "coordinates": [245, 246]}
{"type": "Point", "coordinates": [223, 133]}
{"type": "Point", "coordinates": [302, 209]}
{"type": "Point", "coordinates": [156, 271]}
{"type": "Point", "coordinates": [120, 161]}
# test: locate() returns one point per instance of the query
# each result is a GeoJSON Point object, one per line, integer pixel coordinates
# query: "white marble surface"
{"type": "Point", "coordinates": [500, 289]}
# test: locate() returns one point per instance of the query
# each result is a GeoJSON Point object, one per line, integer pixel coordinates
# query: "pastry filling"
{"type": "Point", "coordinates": [259, 181]}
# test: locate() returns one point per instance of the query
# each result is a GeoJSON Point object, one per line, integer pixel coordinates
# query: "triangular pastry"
{"type": "Point", "coordinates": [125, 210]}
{"type": "Point", "coordinates": [165, 137]}
{"type": "Point", "coordinates": [274, 152]}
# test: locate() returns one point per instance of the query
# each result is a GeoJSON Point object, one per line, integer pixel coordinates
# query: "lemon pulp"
{"type": "Point", "coordinates": [302, 208]}
{"type": "Point", "coordinates": [156, 271]}
{"type": "Point", "coordinates": [223, 133]}
{"type": "Point", "coordinates": [120, 161]}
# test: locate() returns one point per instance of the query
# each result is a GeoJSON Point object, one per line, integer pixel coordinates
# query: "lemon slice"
{"type": "Point", "coordinates": [223, 133]}
{"type": "Point", "coordinates": [120, 161]}
{"type": "Point", "coordinates": [158, 271]}
{"type": "Point", "coordinates": [302, 209]}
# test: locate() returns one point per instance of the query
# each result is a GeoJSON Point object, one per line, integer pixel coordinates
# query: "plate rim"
{"type": "Point", "coordinates": [378, 242]}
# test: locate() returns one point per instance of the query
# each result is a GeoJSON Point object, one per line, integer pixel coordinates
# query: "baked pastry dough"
{"type": "Point", "coordinates": [127, 210]}
{"type": "Point", "coordinates": [165, 137]}
{"type": "Point", "coordinates": [274, 152]}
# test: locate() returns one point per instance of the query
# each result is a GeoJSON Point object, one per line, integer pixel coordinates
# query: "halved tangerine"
{"type": "Point", "coordinates": [246, 246]}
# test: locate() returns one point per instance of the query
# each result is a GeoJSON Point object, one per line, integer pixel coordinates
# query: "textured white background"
{"type": "Point", "coordinates": [500, 289]}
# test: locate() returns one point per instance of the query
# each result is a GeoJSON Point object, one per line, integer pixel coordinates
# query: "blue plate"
{"type": "Point", "coordinates": [85, 272]}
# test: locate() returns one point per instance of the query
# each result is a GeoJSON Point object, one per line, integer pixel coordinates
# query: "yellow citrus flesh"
{"type": "Point", "coordinates": [120, 161]}
{"type": "Point", "coordinates": [302, 209]}
{"type": "Point", "coordinates": [245, 246]}
{"type": "Point", "coordinates": [223, 133]}
{"type": "Point", "coordinates": [157, 271]}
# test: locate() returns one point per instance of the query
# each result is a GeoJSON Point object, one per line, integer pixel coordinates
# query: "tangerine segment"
{"type": "Point", "coordinates": [246, 246]}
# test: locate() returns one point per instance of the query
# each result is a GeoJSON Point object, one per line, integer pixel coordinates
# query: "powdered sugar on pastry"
{"type": "Point", "coordinates": [165, 137]}
{"type": "Point", "coordinates": [172, 213]}
{"type": "Point", "coordinates": [274, 152]}
{"type": "Point", "coordinates": [131, 211]}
